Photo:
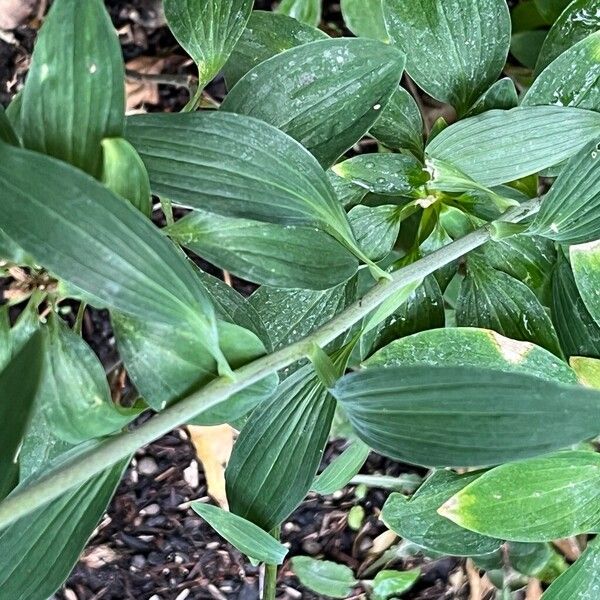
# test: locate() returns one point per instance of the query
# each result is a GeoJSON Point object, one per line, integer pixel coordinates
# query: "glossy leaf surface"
{"type": "Point", "coordinates": [364, 18]}
{"type": "Point", "coordinates": [305, 11]}
{"type": "Point", "coordinates": [324, 577]}
{"type": "Point", "coordinates": [392, 584]}
{"type": "Point", "coordinates": [375, 229]}
{"type": "Point", "coordinates": [585, 260]}
{"type": "Point", "coordinates": [339, 472]}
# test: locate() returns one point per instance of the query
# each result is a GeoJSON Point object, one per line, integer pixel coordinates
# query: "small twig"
{"type": "Point", "coordinates": [227, 278]}
{"type": "Point", "coordinates": [475, 591]}
{"type": "Point", "coordinates": [188, 82]}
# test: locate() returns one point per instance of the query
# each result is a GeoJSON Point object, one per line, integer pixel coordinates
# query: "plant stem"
{"type": "Point", "coordinates": [90, 462]}
{"type": "Point", "coordinates": [270, 582]}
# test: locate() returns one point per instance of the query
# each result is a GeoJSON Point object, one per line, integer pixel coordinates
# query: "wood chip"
{"type": "Point", "coordinates": [98, 556]}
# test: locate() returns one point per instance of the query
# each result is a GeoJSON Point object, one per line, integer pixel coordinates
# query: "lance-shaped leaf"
{"type": "Point", "coordinates": [573, 79]}
{"type": "Point", "coordinates": [124, 173]}
{"type": "Point", "coordinates": [266, 35]}
{"type": "Point", "coordinates": [455, 49]}
{"type": "Point", "coordinates": [550, 10]}
{"type": "Point", "coordinates": [75, 91]}
{"type": "Point", "coordinates": [305, 11]}
{"type": "Point", "coordinates": [339, 472]}
{"type": "Point", "coordinates": [19, 380]}
{"type": "Point", "coordinates": [578, 332]}
{"type": "Point", "coordinates": [501, 146]}
{"type": "Point", "coordinates": [464, 346]}
{"type": "Point", "coordinates": [38, 551]}
{"type": "Point", "coordinates": [502, 95]}
{"type": "Point", "coordinates": [106, 251]}
{"type": "Point", "coordinates": [266, 253]}
{"type": "Point", "coordinates": [74, 394]}
{"type": "Point", "coordinates": [491, 299]}
{"type": "Point", "coordinates": [223, 163]}
{"type": "Point", "coordinates": [570, 212]}
{"type": "Point", "coordinates": [375, 229]}
{"type": "Point", "coordinates": [535, 500]}
{"type": "Point", "coordinates": [585, 260]}
{"type": "Point", "coordinates": [400, 125]}
{"type": "Point", "coordinates": [417, 519]}
{"type": "Point", "coordinates": [580, 20]}
{"type": "Point", "coordinates": [324, 577]}
{"type": "Point", "coordinates": [208, 30]}
{"type": "Point", "coordinates": [7, 133]}
{"type": "Point", "coordinates": [276, 457]}
{"type": "Point", "coordinates": [326, 94]}
{"type": "Point", "coordinates": [581, 580]}
{"type": "Point", "coordinates": [464, 416]}
{"type": "Point", "coordinates": [364, 18]}
{"type": "Point", "coordinates": [244, 535]}
{"type": "Point", "coordinates": [525, 46]}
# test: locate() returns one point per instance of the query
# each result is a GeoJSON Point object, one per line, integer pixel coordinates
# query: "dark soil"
{"type": "Point", "coordinates": [150, 546]}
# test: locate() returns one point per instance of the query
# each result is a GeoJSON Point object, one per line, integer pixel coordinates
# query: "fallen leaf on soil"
{"type": "Point", "coordinates": [143, 92]}
{"type": "Point", "coordinates": [213, 446]}
{"type": "Point", "coordinates": [15, 12]}
{"type": "Point", "coordinates": [98, 556]}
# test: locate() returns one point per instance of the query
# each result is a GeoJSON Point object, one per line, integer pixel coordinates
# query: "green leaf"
{"type": "Point", "coordinates": [585, 260]}
{"type": "Point", "coordinates": [107, 252]}
{"type": "Point", "coordinates": [400, 125]}
{"type": "Point", "coordinates": [580, 581]}
{"type": "Point", "coordinates": [574, 24]}
{"type": "Point", "coordinates": [185, 367]}
{"type": "Point", "coordinates": [551, 10]}
{"type": "Point", "coordinates": [5, 337]}
{"type": "Point", "coordinates": [501, 146]}
{"type": "Point", "coordinates": [417, 519]}
{"type": "Point", "coordinates": [7, 133]}
{"type": "Point", "coordinates": [75, 91]}
{"type": "Point", "coordinates": [244, 535]}
{"type": "Point", "coordinates": [342, 469]}
{"type": "Point", "coordinates": [455, 49]}
{"type": "Point", "coordinates": [375, 229]}
{"type": "Point", "coordinates": [536, 560]}
{"type": "Point", "coordinates": [38, 552]}
{"type": "Point", "coordinates": [305, 11]}
{"type": "Point", "coordinates": [463, 346]}
{"type": "Point", "coordinates": [124, 173]}
{"type": "Point", "coordinates": [391, 584]}
{"type": "Point", "coordinates": [464, 416]}
{"type": "Point", "coordinates": [223, 163]}
{"type": "Point", "coordinates": [277, 454]}
{"type": "Point", "coordinates": [74, 393]}
{"type": "Point", "coordinates": [265, 253]}
{"type": "Point", "coordinates": [324, 577]}
{"type": "Point", "coordinates": [570, 212]}
{"type": "Point", "coordinates": [573, 79]}
{"type": "Point", "coordinates": [266, 35]}
{"type": "Point", "coordinates": [535, 500]}
{"type": "Point", "coordinates": [588, 370]}
{"type": "Point", "coordinates": [577, 331]}
{"type": "Point", "coordinates": [364, 18]}
{"type": "Point", "coordinates": [491, 299]}
{"type": "Point", "coordinates": [526, 46]}
{"type": "Point", "coordinates": [19, 381]}
{"type": "Point", "coordinates": [326, 94]}
{"type": "Point", "coordinates": [207, 30]}
{"type": "Point", "coordinates": [502, 95]}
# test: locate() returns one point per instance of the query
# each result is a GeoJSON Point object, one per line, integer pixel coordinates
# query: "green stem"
{"type": "Point", "coordinates": [270, 583]}
{"type": "Point", "coordinates": [88, 463]}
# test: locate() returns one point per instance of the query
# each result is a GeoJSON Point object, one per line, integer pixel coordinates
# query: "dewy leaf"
{"type": "Point", "coordinates": [463, 346]}
{"type": "Point", "coordinates": [391, 584]}
{"type": "Point", "coordinates": [324, 577]}
{"type": "Point", "coordinates": [580, 20]}
{"type": "Point", "coordinates": [464, 416]}
{"type": "Point", "coordinates": [207, 30]}
{"type": "Point", "coordinates": [364, 18]}
{"type": "Point", "coordinates": [535, 500]}
{"type": "Point", "coordinates": [585, 260]}
{"type": "Point", "coordinates": [455, 48]}
{"type": "Point", "coordinates": [578, 332]}
{"type": "Point", "coordinates": [105, 249]}
{"type": "Point", "coordinates": [75, 91]}
{"type": "Point", "coordinates": [417, 519]}
{"type": "Point", "coordinates": [491, 299]}
{"type": "Point", "coordinates": [245, 536]}
{"type": "Point", "coordinates": [573, 79]}
{"type": "Point", "coordinates": [278, 451]}
{"type": "Point", "coordinates": [501, 146]}
{"type": "Point", "coordinates": [235, 166]}
{"type": "Point", "coordinates": [38, 552]}
{"type": "Point", "coordinates": [74, 393]}
{"type": "Point", "coordinates": [375, 229]}
{"type": "Point", "coordinates": [266, 35]}
{"type": "Point", "coordinates": [19, 380]}
{"type": "Point", "coordinates": [342, 469]}
{"type": "Point", "coordinates": [400, 125]}
{"type": "Point", "coordinates": [124, 173]}
{"type": "Point", "coordinates": [326, 94]}
{"type": "Point", "coordinates": [570, 212]}
{"type": "Point", "coordinates": [581, 580]}
{"type": "Point", "coordinates": [284, 256]}
{"type": "Point", "coordinates": [305, 11]}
